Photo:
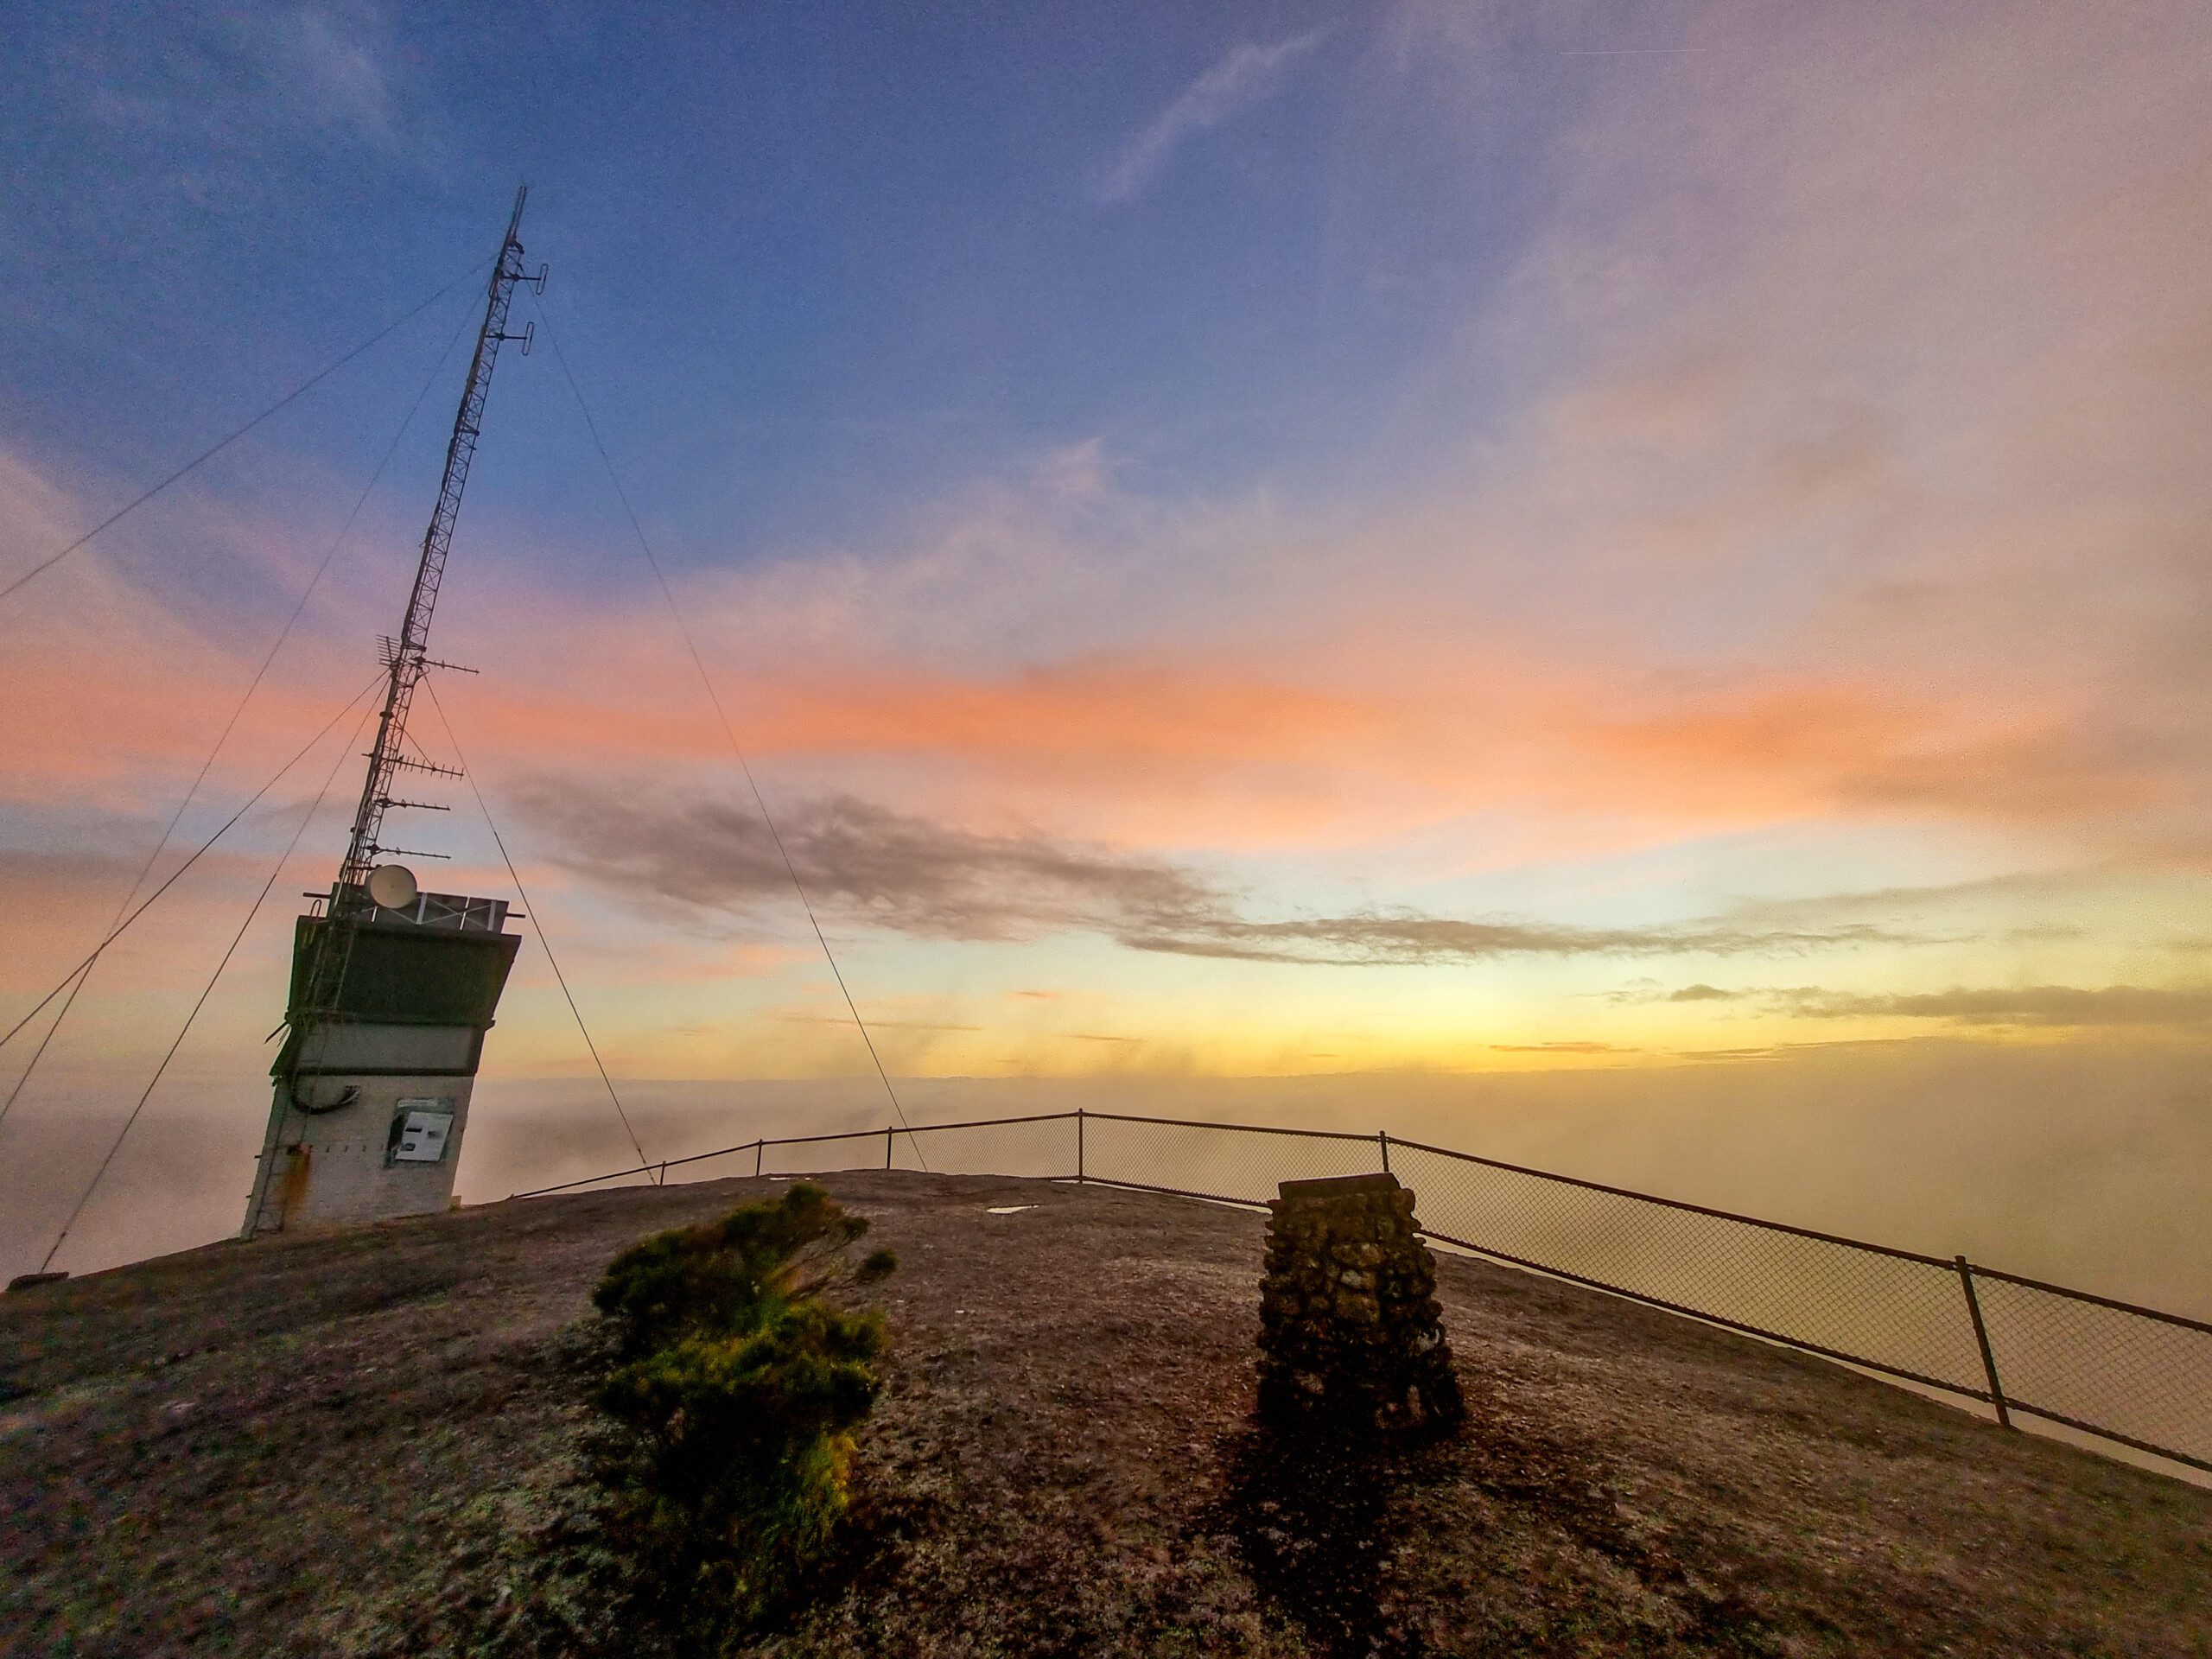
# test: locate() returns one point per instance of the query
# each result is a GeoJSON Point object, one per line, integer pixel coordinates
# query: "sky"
{"type": "Point", "coordinates": [1624, 582]}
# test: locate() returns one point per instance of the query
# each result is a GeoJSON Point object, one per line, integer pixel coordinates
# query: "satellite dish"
{"type": "Point", "coordinates": [392, 887]}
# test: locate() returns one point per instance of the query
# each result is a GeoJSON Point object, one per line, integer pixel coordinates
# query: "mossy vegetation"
{"type": "Point", "coordinates": [730, 1407]}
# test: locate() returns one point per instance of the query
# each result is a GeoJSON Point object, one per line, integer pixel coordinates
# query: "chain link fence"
{"type": "Point", "coordinates": [2130, 1375]}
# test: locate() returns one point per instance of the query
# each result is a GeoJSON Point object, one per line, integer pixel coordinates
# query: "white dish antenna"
{"type": "Point", "coordinates": [392, 887]}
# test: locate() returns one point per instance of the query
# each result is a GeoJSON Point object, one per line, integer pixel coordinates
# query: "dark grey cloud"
{"type": "Point", "coordinates": [926, 880]}
{"type": "Point", "coordinates": [898, 871]}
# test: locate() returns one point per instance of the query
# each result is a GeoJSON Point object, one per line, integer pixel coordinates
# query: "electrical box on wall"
{"type": "Point", "coordinates": [419, 1130]}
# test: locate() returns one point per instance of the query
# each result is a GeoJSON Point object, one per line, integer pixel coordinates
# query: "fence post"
{"type": "Point", "coordinates": [1982, 1338]}
{"type": "Point", "coordinates": [886, 1146]}
{"type": "Point", "coordinates": [1078, 1147]}
{"type": "Point", "coordinates": [1383, 1139]}
{"type": "Point", "coordinates": [758, 1147]}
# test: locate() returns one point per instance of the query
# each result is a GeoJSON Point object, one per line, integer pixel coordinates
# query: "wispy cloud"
{"type": "Point", "coordinates": [911, 875]}
{"type": "Point", "coordinates": [249, 79]}
{"type": "Point", "coordinates": [2047, 1005]}
{"type": "Point", "coordinates": [331, 68]}
{"type": "Point", "coordinates": [1561, 1048]}
{"type": "Point", "coordinates": [875, 1023]}
{"type": "Point", "coordinates": [2027, 1005]}
{"type": "Point", "coordinates": [1379, 937]}
{"type": "Point", "coordinates": [1246, 75]}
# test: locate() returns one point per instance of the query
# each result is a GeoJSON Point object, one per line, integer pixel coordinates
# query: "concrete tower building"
{"type": "Point", "coordinates": [372, 1086]}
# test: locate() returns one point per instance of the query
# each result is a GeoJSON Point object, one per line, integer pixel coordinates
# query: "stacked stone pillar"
{"type": "Point", "coordinates": [1350, 1333]}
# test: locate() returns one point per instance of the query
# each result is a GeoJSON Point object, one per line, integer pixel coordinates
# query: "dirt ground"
{"type": "Point", "coordinates": [342, 1445]}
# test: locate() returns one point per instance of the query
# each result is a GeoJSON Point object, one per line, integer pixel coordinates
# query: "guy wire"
{"type": "Point", "coordinates": [215, 449]}
{"type": "Point", "coordinates": [230, 725]}
{"type": "Point", "coordinates": [206, 990]}
{"type": "Point", "coordinates": [729, 732]}
{"type": "Point", "coordinates": [117, 931]}
{"type": "Point", "coordinates": [536, 926]}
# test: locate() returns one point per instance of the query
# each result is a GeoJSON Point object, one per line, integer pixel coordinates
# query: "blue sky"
{"type": "Point", "coordinates": [817, 258]}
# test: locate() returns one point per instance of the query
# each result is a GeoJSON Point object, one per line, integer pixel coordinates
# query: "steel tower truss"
{"type": "Point", "coordinates": [407, 656]}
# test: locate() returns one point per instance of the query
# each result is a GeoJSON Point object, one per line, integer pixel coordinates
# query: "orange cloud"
{"type": "Point", "coordinates": [121, 720]}
{"type": "Point", "coordinates": [1138, 711]}
{"type": "Point", "coordinates": [1365, 735]}
{"type": "Point", "coordinates": [1362, 736]}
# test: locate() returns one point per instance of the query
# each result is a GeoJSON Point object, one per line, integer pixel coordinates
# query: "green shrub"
{"type": "Point", "coordinates": [722, 1275]}
{"type": "Point", "coordinates": [732, 1402]}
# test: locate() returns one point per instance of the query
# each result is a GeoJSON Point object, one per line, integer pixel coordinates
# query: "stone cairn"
{"type": "Point", "coordinates": [1350, 1330]}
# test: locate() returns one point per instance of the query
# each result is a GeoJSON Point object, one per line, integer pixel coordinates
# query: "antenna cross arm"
{"type": "Point", "coordinates": [401, 763]}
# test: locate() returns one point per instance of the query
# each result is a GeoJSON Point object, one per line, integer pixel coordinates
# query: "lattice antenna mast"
{"type": "Point", "coordinates": [407, 655]}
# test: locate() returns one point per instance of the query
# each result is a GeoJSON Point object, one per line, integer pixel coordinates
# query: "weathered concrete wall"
{"type": "Point", "coordinates": [1349, 1326]}
{"type": "Point", "coordinates": [323, 1169]}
